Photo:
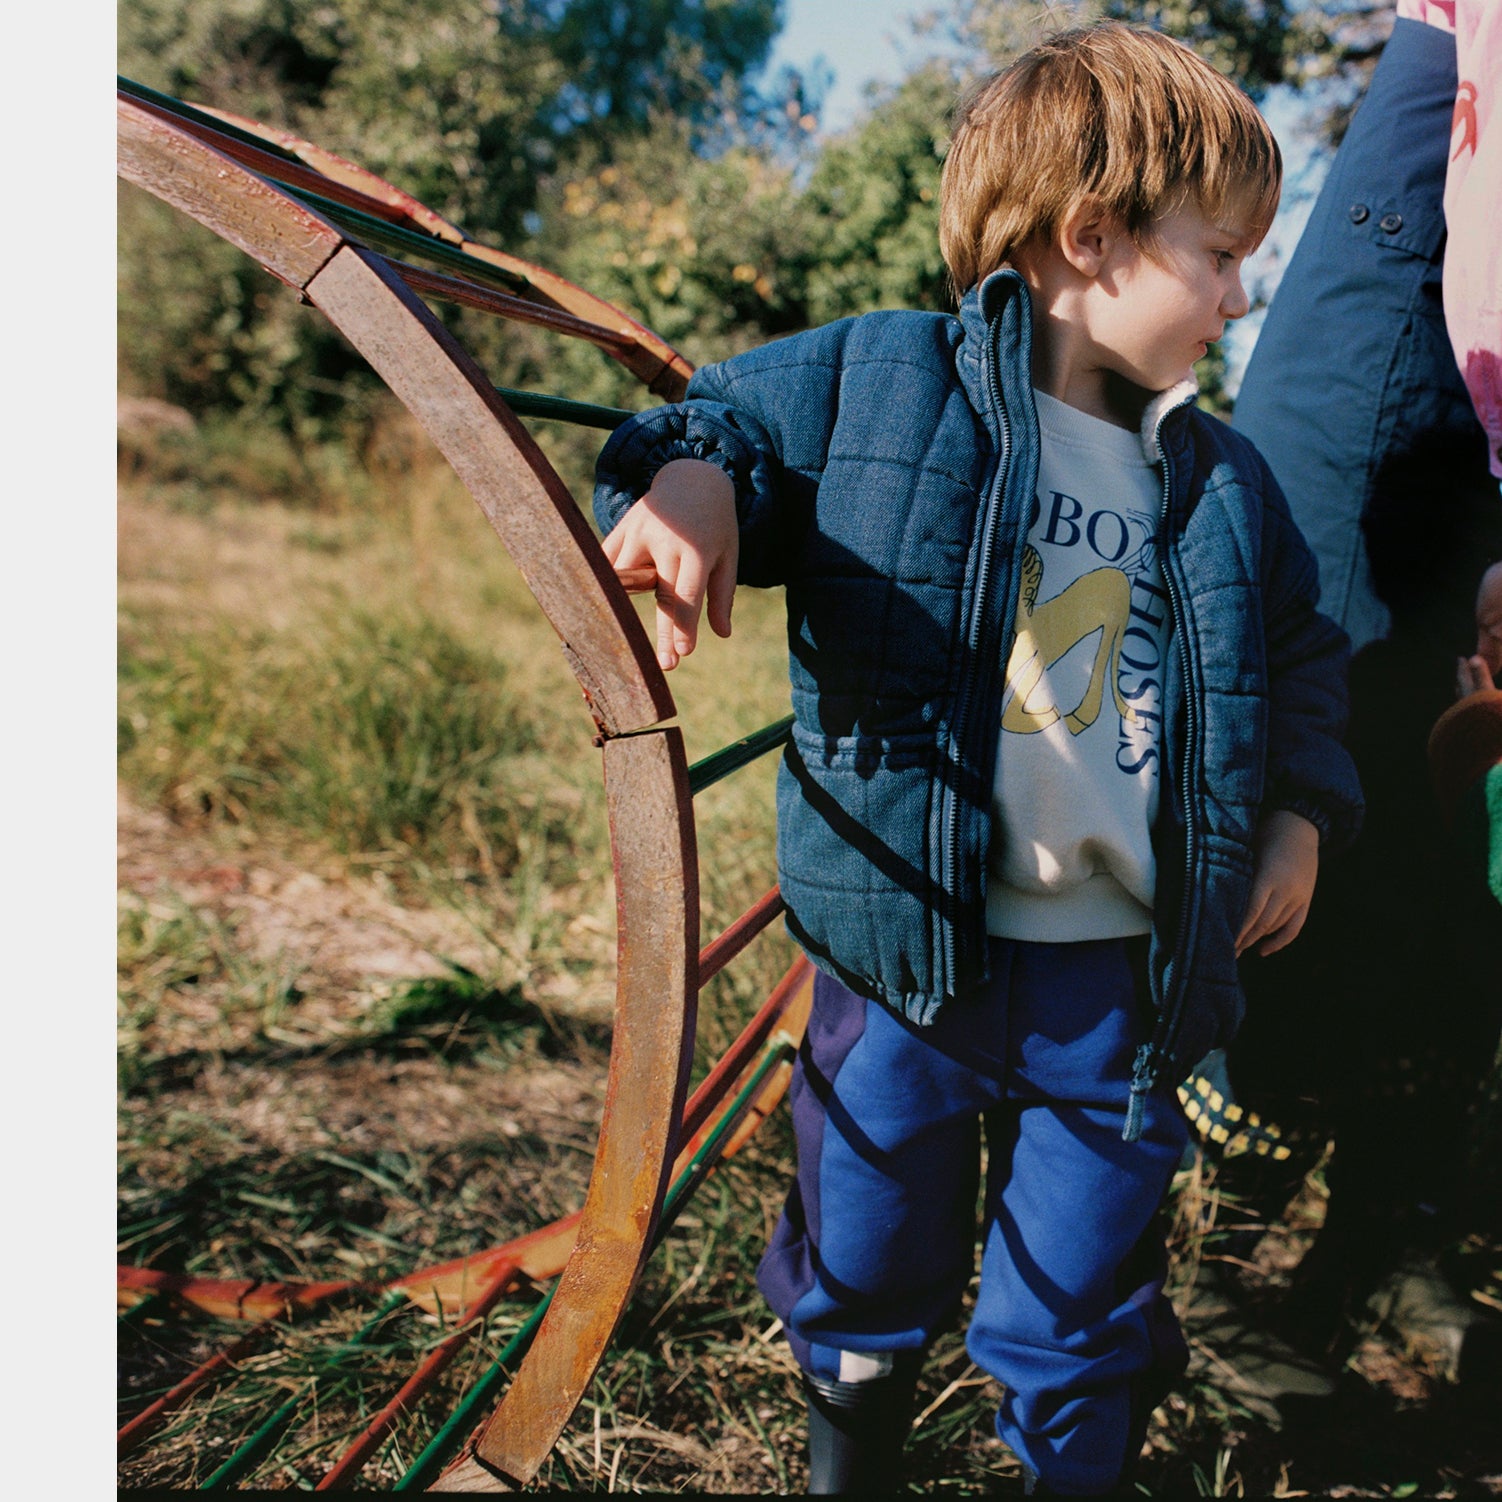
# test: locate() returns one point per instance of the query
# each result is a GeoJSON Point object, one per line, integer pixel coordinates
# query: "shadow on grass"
{"type": "Point", "coordinates": [1363, 1441]}
{"type": "Point", "coordinates": [455, 1018]}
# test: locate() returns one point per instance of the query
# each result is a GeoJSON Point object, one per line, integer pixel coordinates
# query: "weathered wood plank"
{"type": "Point", "coordinates": [657, 902]}
{"type": "Point", "coordinates": [508, 475]}
{"type": "Point", "coordinates": [288, 239]}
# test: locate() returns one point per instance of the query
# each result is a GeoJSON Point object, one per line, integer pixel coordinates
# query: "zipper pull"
{"type": "Point", "coordinates": [1144, 1077]}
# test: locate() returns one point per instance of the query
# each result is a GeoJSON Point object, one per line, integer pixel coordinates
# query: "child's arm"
{"type": "Point", "coordinates": [685, 528]}
{"type": "Point", "coordinates": [1284, 867]}
{"type": "Point", "coordinates": [720, 487]}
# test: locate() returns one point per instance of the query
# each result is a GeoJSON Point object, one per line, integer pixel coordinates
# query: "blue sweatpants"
{"type": "Point", "coordinates": [876, 1244]}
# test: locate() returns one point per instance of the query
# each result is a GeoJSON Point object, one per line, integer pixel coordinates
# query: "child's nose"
{"type": "Point", "coordinates": [1235, 303]}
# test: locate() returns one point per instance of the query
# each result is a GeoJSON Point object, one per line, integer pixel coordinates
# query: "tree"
{"type": "Point", "coordinates": [1259, 43]}
{"type": "Point", "coordinates": [872, 204]}
{"type": "Point", "coordinates": [629, 61]}
{"type": "Point", "coordinates": [470, 105]}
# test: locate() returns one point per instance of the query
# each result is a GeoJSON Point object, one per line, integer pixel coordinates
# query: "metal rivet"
{"type": "Point", "coordinates": [1357, 213]}
{"type": "Point", "coordinates": [1390, 223]}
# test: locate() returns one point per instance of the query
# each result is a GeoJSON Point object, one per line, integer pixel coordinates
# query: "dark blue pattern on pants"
{"type": "Point", "coordinates": [877, 1242]}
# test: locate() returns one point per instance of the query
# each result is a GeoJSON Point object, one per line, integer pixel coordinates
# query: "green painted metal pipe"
{"type": "Point", "coordinates": [779, 1047]}
{"type": "Point", "coordinates": [254, 1450]}
{"type": "Point", "coordinates": [737, 754]}
{"type": "Point", "coordinates": [142, 1309]}
{"type": "Point", "coordinates": [582, 414]}
{"type": "Point", "coordinates": [202, 117]}
{"type": "Point", "coordinates": [382, 232]}
{"type": "Point", "coordinates": [368, 226]}
{"type": "Point", "coordinates": [427, 1465]}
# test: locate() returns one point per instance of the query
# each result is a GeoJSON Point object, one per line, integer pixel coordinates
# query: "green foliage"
{"type": "Point", "coordinates": [678, 59]}
{"type": "Point", "coordinates": [703, 250]}
{"type": "Point", "coordinates": [621, 144]}
{"type": "Point", "coordinates": [473, 106]}
{"type": "Point", "coordinates": [1258, 44]}
{"type": "Point", "coordinates": [872, 204]}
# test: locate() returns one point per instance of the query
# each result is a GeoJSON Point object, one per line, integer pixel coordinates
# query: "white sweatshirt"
{"type": "Point", "coordinates": [1076, 785]}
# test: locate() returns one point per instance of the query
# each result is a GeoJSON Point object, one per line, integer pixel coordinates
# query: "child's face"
{"type": "Point", "coordinates": [1157, 313]}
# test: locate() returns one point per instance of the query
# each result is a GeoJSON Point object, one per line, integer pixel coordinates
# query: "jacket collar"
{"type": "Point", "coordinates": [1157, 411]}
{"type": "Point", "coordinates": [1003, 297]}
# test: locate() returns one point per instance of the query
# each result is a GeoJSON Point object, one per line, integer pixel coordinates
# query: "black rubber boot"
{"type": "Point", "coordinates": [1148, 1391]}
{"type": "Point", "coordinates": [856, 1429]}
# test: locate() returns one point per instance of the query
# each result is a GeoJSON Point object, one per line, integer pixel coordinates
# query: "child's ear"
{"type": "Point", "coordinates": [1086, 235]}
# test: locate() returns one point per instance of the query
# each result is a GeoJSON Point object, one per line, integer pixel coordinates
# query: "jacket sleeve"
{"type": "Point", "coordinates": [1309, 770]}
{"type": "Point", "coordinates": [765, 418]}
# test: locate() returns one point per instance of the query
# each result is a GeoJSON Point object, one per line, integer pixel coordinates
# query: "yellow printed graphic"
{"type": "Point", "coordinates": [1098, 601]}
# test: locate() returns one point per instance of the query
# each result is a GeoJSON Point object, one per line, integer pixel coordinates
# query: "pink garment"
{"type": "Point", "coordinates": [1473, 191]}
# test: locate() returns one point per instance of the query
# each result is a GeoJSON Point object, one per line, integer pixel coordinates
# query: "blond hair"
{"type": "Point", "coordinates": [1111, 112]}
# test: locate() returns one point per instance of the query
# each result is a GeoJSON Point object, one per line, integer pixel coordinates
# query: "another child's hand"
{"type": "Point", "coordinates": [1283, 873]}
{"type": "Point", "coordinates": [685, 529]}
{"type": "Point", "coordinates": [1473, 675]}
{"type": "Point", "coordinates": [1483, 668]}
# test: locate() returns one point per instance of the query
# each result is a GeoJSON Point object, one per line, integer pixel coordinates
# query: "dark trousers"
{"type": "Point", "coordinates": [1380, 1022]}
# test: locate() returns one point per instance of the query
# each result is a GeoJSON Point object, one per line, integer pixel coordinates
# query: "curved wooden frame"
{"type": "Point", "coordinates": [365, 296]}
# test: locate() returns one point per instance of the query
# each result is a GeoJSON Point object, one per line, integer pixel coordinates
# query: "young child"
{"type": "Point", "coordinates": [1065, 742]}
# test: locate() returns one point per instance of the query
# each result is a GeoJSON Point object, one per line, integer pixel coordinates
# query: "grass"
{"type": "Point", "coordinates": [366, 956]}
{"type": "Point", "coordinates": [377, 733]}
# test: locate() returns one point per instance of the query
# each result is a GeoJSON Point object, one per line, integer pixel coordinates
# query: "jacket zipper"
{"type": "Point", "coordinates": [1150, 1057]}
{"type": "Point", "coordinates": [975, 630]}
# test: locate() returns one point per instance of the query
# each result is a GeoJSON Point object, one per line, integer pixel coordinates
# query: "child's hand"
{"type": "Point", "coordinates": [685, 529]}
{"type": "Point", "coordinates": [1287, 861]}
{"type": "Point", "coordinates": [1472, 676]}
{"type": "Point", "coordinates": [1483, 667]}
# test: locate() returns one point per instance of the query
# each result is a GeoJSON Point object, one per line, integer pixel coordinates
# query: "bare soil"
{"type": "Point", "coordinates": [238, 1086]}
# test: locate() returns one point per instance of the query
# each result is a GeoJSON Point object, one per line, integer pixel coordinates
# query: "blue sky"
{"type": "Point", "coordinates": [860, 42]}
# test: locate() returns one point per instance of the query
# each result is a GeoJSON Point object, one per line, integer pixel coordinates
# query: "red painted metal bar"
{"type": "Point", "coordinates": [504, 305]}
{"type": "Point", "coordinates": [716, 955]}
{"type": "Point", "coordinates": [637, 581]}
{"type": "Point", "coordinates": [239, 1298]}
{"type": "Point", "coordinates": [132, 1434]}
{"type": "Point", "coordinates": [536, 1253]}
{"type": "Point", "coordinates": [738, 1057]}
{"type": "Point", "coordinates": [348, 1466]}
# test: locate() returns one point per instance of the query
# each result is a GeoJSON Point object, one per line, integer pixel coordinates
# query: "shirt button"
{"type": "Point", "coordinates": [1357, 213]}
{"type": "Point", "coordinates": [1390, 223]}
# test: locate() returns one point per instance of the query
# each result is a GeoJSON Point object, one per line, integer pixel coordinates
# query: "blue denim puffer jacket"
{"type": "Point", "coordinates": [885, 469]}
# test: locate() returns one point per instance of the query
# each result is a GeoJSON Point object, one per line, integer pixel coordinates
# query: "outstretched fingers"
{"type": "Point", "coordinates": [684, 529]}
{"type": "Point", "coordinates": [680, 599]}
